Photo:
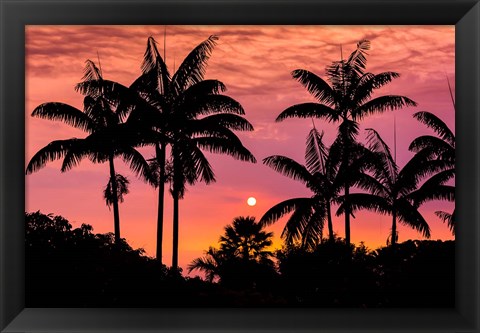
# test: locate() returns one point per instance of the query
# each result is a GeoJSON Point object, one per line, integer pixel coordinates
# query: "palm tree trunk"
{"type": "Point", "coordinates": [329, 221]}
{"type": "Point", "coordinates": [116, 214]}
{"type": "Point", "coordinates": [347, 214]}
{"type": "Point", "coordinates": [160, 154]}
{"type": "Point", "coordinates": [175, 231]}
{"type": "Point", "coordinates": [394, 228]}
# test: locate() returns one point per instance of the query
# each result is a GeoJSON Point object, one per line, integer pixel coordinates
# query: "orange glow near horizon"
{"type": "Point", "coordinates": [255, 63]}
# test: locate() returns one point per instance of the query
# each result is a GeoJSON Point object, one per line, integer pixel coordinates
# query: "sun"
{"type": "Point", "coordinates": [251, 201]}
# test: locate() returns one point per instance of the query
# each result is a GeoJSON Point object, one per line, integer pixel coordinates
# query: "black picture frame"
{"type": "Point", "coordinates": [16, 14]}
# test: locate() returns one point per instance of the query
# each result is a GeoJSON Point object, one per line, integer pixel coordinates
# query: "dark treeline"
{"type": "Point", "coordinates": [68, 267]}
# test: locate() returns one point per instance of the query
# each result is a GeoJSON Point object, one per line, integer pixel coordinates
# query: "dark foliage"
{"type": "Point", "coordinates": [68, 267]}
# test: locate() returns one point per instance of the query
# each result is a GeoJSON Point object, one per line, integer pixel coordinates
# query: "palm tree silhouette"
{"type": "Point", "coordinates": [164, 110]}
{"type": "Point", "coordinates": [309, 214]}
{"type": "Point", "coordinates": [346, 100]}
{"type": "Point", "coordinates": [244, 242]}
{"type": "Point", "coordinates": [210, 264]}
{"type": "Point", "coordinates": [323, 175]}
{"type": "Point", "coordinates": [391, 190]}
{"type": "Point", "coordinates": [180, 101]}
{"type": "Point", "coordinates": [439, 151]}
{"type": "Point", "coordinates": [107, 138]}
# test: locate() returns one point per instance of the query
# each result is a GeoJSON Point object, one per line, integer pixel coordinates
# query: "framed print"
{"type": "Point", "coordinates": [239, 166]}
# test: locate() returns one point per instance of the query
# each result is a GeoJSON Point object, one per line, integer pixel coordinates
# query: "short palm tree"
{"type": "Point", "coordinates": [346, 100]}
{"type": "Point", "coordinates": [107, 138]}
{"type": "Point", "coordinates": [391, 190]}
{"type": "Point", "coordinates": [440, 151]}
{"type": "Point", "coordinates": [210, 264]}
{"type": "Point", "coordinates": [244, 241]}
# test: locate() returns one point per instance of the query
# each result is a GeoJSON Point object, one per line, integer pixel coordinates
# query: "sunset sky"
{"type": "Point", "coordinates": [255, 63]}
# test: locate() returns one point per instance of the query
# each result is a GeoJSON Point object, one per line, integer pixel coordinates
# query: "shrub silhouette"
{"type": "Point", "coordinates": [74, 267]}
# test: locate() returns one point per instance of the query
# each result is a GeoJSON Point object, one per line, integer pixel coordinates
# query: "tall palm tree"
{"type": "Point", "coordinates": [391, 190]}
{"type": "Point", "coordinates": [171, 107]}
{"type": "Point", "coordinates": [106, 139]}
{"type": "Point", "coordinates": [195, 115]}
{"type": "Point", "coordinates": [309, 213]}
{"type": "Point", "coordinates": [439, 150]}
{"type": "Point", "coordinates": [324, 177]}
{"type": "Point", "coordinates": [346, 100]}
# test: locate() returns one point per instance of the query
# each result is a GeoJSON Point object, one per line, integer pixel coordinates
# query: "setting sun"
{"type": "Point", "coordinates": [251, 201]}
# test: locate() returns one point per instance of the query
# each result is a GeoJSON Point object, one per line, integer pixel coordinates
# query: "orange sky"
{"type": "Point", "coordinates": [255, 64]}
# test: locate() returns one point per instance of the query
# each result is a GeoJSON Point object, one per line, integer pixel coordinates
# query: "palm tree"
{"type": "Point", "coordinates": [244, 243]}
{"type": "Point", "coordinates": [171, 106]}
{"type": "Point", "coordinates": [391, 190]}
{"type": "Point", "coordinates": [309, 214]}
{"type": "Point", "coordinates": [438, 150]}
{"type": "Point", "coordinates": [107, 138]}
{"type": "Point", "coordinates": [346, 100]}
{"type": "Point", "coordinates": [324, 177]}
{"type": "Point", "coordinates": [246, 240]}
{"type": "Point", "coordinates": [210, 264]}
{"type": "Point", "coordinates": [180, 101]}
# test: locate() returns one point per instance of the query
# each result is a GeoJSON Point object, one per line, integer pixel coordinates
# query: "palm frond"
{"type": "Point", "coordinates": [153, 62]}
{"type": "Point", "coordinates": [388, 171]}
{"type": "Point", "coordinates": [309, 110]}
{"type": "Point", "coordinates": [369, 82]}
{"type": "Point", "coordinates": [435, 145]}
{"type": "Point", "coordinates": [411, 217]}
{"type": "Point", "coordinates": [205, 87]}
{"type": "Point", "coordinates": [55, 150]}
{"type": "Point", "coordinates": [315, 86]}
{"type": "Point", "coordinates": [283, 208]}
{"type": "Point", "coordinates": [193, 67]}
{"type": "Point", "coordinates": [208, 104]}
{"type": "Point", "coordinates": [431, 191]}
{"type": "Point", "coordinates": [76, 153]}
{"type": "Point", "coordinates": [222, 146]}
{"type": "Point", "coordinates": [312, 233]}
{"type": "Point", "coordinates": [365, 201]}
{"type": "Point", "coordinates": [204, 171]}
{"type": "Point", "coordinates": [370, 184]}
{"type": "Point", "coordinates": [209, 264]}
{"type": "Point", "coordinates": [91, 71]}
{"type": "Point", "coordinates": [316, 152]}
{"type": "Point", "coordinates": [296, 225]}
{"type": "Point", "coordinates": [65, 113]}
{"type": "Point", "coordinates": [437, 125]}
{"type": "Point", "coordinates": [357, 60]}
{"type": "Point", "coordinates": [137, 163]}
{"type": "Point", "coordinates": [447, 218]}
{"type": "Point", "coordinates": [381, 104]}
{"type": "Point", "coordinates": [227, 120]}
{"type": "Point", "coordinates": [417, 169]}
{"type": "Point", "coordinates": [289, 167]}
